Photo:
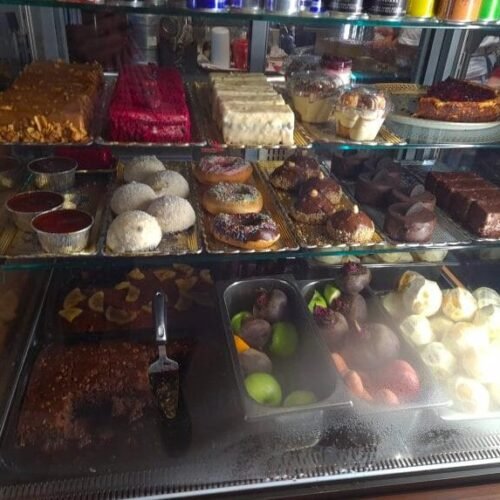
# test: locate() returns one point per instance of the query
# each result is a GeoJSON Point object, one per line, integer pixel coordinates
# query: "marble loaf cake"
{"type": "Point", "coordinates": [51, 102]}
{"type": "Point", "coordinates": [250, 112]}
{"type": "Point", "coordinates": [149, 105]}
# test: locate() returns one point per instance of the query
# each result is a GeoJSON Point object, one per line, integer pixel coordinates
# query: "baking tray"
{"type": "Point", "coordinates": [420, 173]}
{"type": "Point", "coordinates": [379, 287]}
{"type": "Point", "coordinates": [447, 233]}
{"type": "Point", "coordinates": [430, 397]}
{"type": "Point", "coordinates": [21, 330]}
{"type": "Point", "coordinates": [405, 98]}
{"type": "Point", "coordinates": [186, 242]}
{"type": "Point", "coordinates": [287, 240]}
{"type": "Point", "coordinates": [200, 99]}
{"type": "Point", "coordinates": [102, 138]}
{"type": "Point", "coordinates": [88, 194]}
{"type": "Point", "coordinates": [312, 362]}
{"type": "Point", "coordinates": [310, 236]}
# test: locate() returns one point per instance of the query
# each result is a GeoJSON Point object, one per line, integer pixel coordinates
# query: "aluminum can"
{"type": "Point", "coordinates": [460, 11]}
{"type": "Point", "coordinates": [421, 9]}
{"type": "Point", "coordinates": [316, 8]}
{"type": "Point", "coordinates": [345, 8]}
{"type": "Point", "coordinates": [304, 5]}
{"type": "Point", "coordinates": [490, 9]}
{"type": "Point", "coordinates": [249, 6]}
{"type": "Point", "coordinates": [207, 5]}
{"type": "Point", "coordinates": [385, 8]}
{"type": "Point", "coordinates": [287, 7]}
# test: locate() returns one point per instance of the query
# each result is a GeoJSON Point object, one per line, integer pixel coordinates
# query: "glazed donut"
{"type": "Point", "coordinates": [213, 169]}
{"type": "Point", "coordinates": [232, 198]}
{"type": "Point", "coordinates": [248, 231]}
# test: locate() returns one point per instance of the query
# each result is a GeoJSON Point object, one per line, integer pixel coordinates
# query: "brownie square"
{"type": "Point", "coordinates": [461, 201]}
{"type": "Point", "coordinates": [483, 218]}
{"type": "Point", "coordinates": [446, 189]}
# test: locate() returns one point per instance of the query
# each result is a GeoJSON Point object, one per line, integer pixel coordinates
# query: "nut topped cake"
{"type": "Point", "coordinates": [149, 105]}
{"type": "Point", "coordinates": [51, 102]}
{"type": "Point", "coordinates": [459, 101]}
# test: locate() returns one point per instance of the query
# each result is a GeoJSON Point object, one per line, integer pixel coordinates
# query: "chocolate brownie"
{"type": "Point", "coordinates": [433, 178]}
{"type": "Point", "coordinates": [461, 201]}
{"type": "Point", "coordinates": [445, 190]}
{"type": "Point", "coordinates": [483, 218]}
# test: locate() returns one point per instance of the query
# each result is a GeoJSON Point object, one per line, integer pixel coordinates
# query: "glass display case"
{"type": "Point", "coordinates": [303, 197]}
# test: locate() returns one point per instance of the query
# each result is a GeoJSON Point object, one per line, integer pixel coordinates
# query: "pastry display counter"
{"type": "Point", "coordinates": [328, 251]}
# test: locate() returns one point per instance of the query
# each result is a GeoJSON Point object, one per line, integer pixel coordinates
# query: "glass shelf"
{"type": "Point", "coordinates": [325, 21]}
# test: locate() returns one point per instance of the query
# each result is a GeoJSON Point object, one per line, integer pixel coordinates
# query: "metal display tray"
{"type": "Point", "coordinates": [312, 363]}
{"type": "Point", "coordinates": [446, 234]}
{"type": "Point", "coordinates": [197, 139]}
{"type": "Point", "coordinates": [379, 287]}
{"type": "Point", "coordinates": [88, 194]}
{"type": "Point", "coordinates": [430, 396]}
{"type": "Point", "coordinates": [287, 240]}
{"type": "Point", "coordinates": [310, 236]}
{"type": "Point", "coordinates": [199, 93]}
{"type": "Point", "coordinates": [186, 242]}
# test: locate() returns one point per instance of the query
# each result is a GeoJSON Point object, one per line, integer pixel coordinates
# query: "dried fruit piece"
{"type": "Point", "coordinates": [73, 298]}
{"type": "Point", "coordinates": [147, 308]}
{"type": "Point", "coordinates": [70, 313]}
{"type": "Point", "coordinates": [96, 302]}
{"type": "Point", "coordinates": [186, 284]}
{"type": "Point", "coordinates": [136, 274]}
{"type": "Point", "coordinates": [123, 285]}
{"type": "Point", "coordinates": [164, 274]}
{"type": "Point", "coordinates": [206, 276]}
{"type": "Point", "coordinates": [184, 268]}
{"type": "Point", "coordinates": [132, 294]}
{"type": "Point", "coordinates": [120, 316]}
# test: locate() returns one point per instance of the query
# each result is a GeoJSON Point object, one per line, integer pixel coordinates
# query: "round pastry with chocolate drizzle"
{"type": "Point", "coordinates": [248, 231]}
{"type": "Point", "coordinates": [213, 169]}
{"type": "Point", "coordinates": [296, 170]}
{"type": "Point", "coordinates": [232, 198]}
{"type": "Point", "coordinates": [350, 226]}
{"type": "Point", "coordinates": [318, 198]}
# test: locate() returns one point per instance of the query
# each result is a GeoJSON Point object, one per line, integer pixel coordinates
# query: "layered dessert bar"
{"type": "Point", "coordinates": [460, 202]}
{"type": "Point", "coordinates": [445, 191]}
{"type": "Point", "coordinates": [483, 218]}
{"type": "Point", "coordinates": [51, 102]}
{"type": "Point", "coordinates": [149, 105]}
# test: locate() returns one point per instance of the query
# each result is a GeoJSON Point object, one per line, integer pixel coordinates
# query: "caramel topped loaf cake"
{"type": "Point", "coordinates": [68, 382]}
{"type": "Point", "coordinates": [149, 105]}
{"type": "Point", "coordinates": [51, 102]}
{"type": "Point", "coordinates": [249, 111]}
{"type": "Point", "coordinates": [459, 101]}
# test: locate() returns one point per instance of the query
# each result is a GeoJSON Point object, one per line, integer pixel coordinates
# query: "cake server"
{"type": "Point", "coordinates": [164, 372]}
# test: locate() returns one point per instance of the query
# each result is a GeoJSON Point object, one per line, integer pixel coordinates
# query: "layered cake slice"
{"type": "Point", "coordinates": [483, 218]}
{"type": "Point", "coordinates": [149, 105]}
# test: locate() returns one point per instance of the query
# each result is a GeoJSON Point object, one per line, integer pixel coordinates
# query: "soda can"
{"type": "Point", "coordinates": [286, 7]}
{"type": "Point", "coordinates": [385, 9]}
{"type": "Point", "coordinates": [420, 9]}
{"type": "Point", "coordinates": [304, 5]}
{"type": "Point", "coordinates": [489, 11]}
{"type": "Point", "coordinates": [345, 8]}
{"type": "Point", "coordinates": [247, 6]}
{"type": "Point", "coordinates": [207, 5]}
{"type": "Point", "coordinates": [316, 9]}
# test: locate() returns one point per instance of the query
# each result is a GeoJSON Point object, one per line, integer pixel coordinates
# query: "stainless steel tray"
{"type": "Point", "coordinates": [446, 234]}
{"type": "Point", "coordinates": [103, 138]}
{"type": "Point", "coordinates": [286, 242]}
{"type": "Point", "coordinates": [310, 236]}
{"type": "Point", "coordinates": [312, 364]}
{"type": "Point", "coordinates": [88, 194]}
{"type": "Point", "coordinates": [186, 242]}
{"type": "Point", "coordinates": [430, 396]}
{"type": "Point", "coordinates": [202, 114]}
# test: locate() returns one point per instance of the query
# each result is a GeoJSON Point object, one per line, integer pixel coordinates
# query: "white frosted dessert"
{"type": "Point", "coordinates": [132, 196]}
{"type": "Point", "coordinates": [173, 213]}
{"type": "Point", "coordinates": [459, 304]}
{"type": "Point", "coordinates": [485, 296]}
{"type": "Point", "coordinates": [139, 167]}
{"type": "Point", "coordinates": [168, 182]}
{"type": "Point", "coordinates": [440, 360]}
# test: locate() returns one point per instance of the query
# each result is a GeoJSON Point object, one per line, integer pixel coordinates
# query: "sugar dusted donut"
{"type": "Point", "coordinates": [248, 231]}
{"type": "Point", "coordinates": [173, 213]}
{"type": "Point", "coordinates": [232, 198]}
{"type": "Point", "coordinates": [213, 169]}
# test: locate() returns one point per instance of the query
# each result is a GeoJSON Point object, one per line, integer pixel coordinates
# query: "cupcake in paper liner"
{"type": "Point", "coordinates": [360, 113]}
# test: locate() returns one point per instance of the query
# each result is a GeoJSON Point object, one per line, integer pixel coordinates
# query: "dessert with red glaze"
{"type": "Point", "coordinates": [459, 101]}
{"type": "Point", "coordinates": [149, 105]}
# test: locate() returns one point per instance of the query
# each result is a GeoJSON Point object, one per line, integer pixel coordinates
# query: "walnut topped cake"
{"type": "Point", "coordinates": [51, 102]}
{"type": "Point", "coordinates": [459, 101]}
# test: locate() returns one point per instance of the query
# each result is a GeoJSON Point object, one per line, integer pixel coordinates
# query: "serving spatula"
{"type": "Point", "coordinates": [164, 372]}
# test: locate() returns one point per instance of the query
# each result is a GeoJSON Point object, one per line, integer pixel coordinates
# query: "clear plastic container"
{"type": "Point", "coordinates": [360, 113]}
{"type": "Point", "coordinates": [313, 95]}
{"type": "Point", "coordinates": [336, 66]}
{"type": "Point", "coordinates": [300, 63]}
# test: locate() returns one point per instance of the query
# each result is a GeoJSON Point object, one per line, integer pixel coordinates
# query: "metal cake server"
{"type": "Point", "coordinates": [164, 372]}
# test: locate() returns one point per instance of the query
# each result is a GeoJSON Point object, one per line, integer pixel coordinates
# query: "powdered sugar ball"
{"type": "Point", "coordinates": [133, 196]}
{"type": "Point", "coordinates": [168, 182]}
{"type": "Point", "coordinates": [138, 168]}
{"type": "Point", "coordinates": [172, 213]}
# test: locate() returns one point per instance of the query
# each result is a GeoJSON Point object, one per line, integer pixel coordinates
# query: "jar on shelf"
{"type": "Point", "coordinates": [337, 67]}
{"type": "Point", "coordinates": [461, 11]}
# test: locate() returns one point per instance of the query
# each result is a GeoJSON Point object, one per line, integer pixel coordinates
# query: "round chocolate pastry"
{"type": "Point", "coordinates": [354, 277]}
{"type": "Point", "coordinates": [313, 207]}
{"type": "Point", "coordinates": [271, 305]}
{"type": "Point", "coordinates": [350, 226]}
{"type": "Point", "coordinates": [417, 194]}
{"type": "Point", "coordinates": [232, 198]}
{"type": "Point", "coordinates": [348, 164]}
{"type": "Point", "coordinates": [374, 188]}
{"type": "Point", "coordinates": [300, 159]}
{"type": "Point", "coordinates": [248, 231]}
{"type": "Point", "coordinates": [409, 222]}
{"type": "Point", "coordinates": [332, 325]}
{"type": "Point", "coordinates": [392, 168]}
{"type": "Point", "coordinates": [326, 187]}
{"type": "Point", "coordinates": [290, 175]}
